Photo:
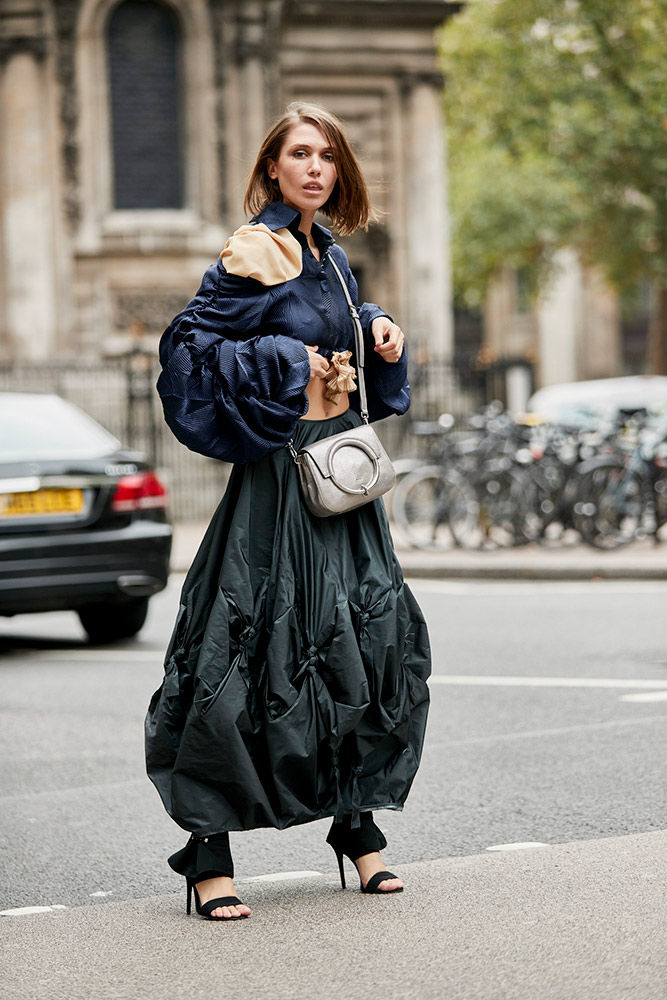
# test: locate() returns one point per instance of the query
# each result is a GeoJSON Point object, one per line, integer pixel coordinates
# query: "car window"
{"type": "Point", "coordinates": [33, 426]}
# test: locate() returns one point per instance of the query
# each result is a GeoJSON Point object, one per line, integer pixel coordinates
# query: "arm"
{"type": "Point", "coordinates": [387, 385]}
{"type": "Point", "coordinates": [228, 391]}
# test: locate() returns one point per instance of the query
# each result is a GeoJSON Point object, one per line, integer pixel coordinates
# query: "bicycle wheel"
{"type": "Point", "coordinates": [505, 508]}
{"type": "Point", "coordinates": [421, 506]}
{"type": "Point", "coordinates": [609, 505]}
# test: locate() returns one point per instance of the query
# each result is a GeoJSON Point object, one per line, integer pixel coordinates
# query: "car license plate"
{"type": "Point", "coordinates": [40, 503]}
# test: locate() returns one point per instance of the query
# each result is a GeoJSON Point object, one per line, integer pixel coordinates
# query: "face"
{"type": "Point", "coordinates": [305, 168]}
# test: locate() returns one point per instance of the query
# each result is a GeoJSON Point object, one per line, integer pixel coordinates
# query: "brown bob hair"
{"type": "Point", "coordinates": [349, 206]}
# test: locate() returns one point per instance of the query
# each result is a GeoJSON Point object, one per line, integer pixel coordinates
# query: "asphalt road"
{"type": "Point", "coordinates": [548, 726]}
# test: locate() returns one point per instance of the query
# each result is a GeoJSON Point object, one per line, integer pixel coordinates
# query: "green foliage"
{"type": "Point", "coordinates": [557, 131]}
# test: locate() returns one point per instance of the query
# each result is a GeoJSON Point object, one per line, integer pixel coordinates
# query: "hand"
{"type": "Point", "coordinates": [319, 366]}
{"type": "Point", "coordinates": [388, 339]}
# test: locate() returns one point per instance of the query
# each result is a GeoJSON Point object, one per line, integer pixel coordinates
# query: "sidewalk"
{"type": "Point", "coordinates": [577, 921]}
{"type": "Point", "coordinates": [640, 561]}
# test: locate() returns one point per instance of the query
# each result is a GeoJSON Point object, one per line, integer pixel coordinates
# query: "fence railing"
{"type": "Point", "coordinates": [121, 395]}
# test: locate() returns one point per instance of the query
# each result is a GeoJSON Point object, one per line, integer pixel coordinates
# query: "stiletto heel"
{"type": "Point", "coordinates": [341, 868]}
{"type": "Point", "coordinates": [206, 909]}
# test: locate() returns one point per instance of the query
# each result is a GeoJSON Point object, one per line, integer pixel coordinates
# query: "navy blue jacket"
{"type": "Point", "coordinates": [234, 365]}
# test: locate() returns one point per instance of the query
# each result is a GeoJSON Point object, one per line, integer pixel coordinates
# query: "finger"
{"type": "Point", "coordinates": [319, 368]}
{"type": "Point", "coordinates": [314, 349]}
{"type": "Point", "coordinates": [393, 343]}
{"type": "Point", "coordinates": [392, 356]}
{"type": "Point", "coordinates": [379, 334]}
{"type": "Point", "coordinates": [391, 334]}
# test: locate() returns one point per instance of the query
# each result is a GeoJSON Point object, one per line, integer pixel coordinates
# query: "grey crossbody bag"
{"type": "Point", "coordinates": [349, 469]}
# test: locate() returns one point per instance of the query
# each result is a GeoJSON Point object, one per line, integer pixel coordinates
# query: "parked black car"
{"type": "Point", "coordinates": [83, 522]}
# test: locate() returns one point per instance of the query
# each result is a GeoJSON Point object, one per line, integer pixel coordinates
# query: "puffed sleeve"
{"type": "Point", "coordinates": [387, 384]}
{"type": "Point", "coordinates": [228, 391]}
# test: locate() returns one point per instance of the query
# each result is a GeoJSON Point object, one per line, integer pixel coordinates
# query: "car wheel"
{"type": "Point", "coordinates": [114, 619]}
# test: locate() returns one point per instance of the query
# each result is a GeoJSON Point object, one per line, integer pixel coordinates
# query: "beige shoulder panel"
{"type": "Point", "coordinates": [257, 252]}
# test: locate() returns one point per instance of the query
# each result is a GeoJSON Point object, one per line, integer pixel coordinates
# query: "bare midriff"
{"type": "Point", "coordinates": [320, 408]}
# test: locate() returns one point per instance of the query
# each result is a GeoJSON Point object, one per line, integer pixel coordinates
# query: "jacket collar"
{"type": "Point", "coordinates": [278, 215]}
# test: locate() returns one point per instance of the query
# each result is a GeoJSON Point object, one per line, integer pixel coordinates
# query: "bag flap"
{"type": "Point", "coordinates": [318, 456]}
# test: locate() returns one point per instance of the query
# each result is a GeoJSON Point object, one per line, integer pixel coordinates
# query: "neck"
{"type": "Point", "coordinates": [307, 217]}
{"type": "Point", "coordinates": [306, 223]}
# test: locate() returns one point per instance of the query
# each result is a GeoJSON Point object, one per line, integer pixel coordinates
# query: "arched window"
{"type": "Point", "coordinates": [145, 83]}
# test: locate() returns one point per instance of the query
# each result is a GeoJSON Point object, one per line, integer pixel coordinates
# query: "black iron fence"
{"type": "Point", "coordinates": [121, 395]}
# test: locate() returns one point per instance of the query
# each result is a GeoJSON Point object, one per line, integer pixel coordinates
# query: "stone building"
{"type": "Point", "coordinates": [127, 130]}
{"type": "Point", "coordinates": [578, 328]}
{"type": "Point", "coordinates": [572, 331]}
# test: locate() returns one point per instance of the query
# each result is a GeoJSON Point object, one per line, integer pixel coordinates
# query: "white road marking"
{"type": "Point", "coordinates": [101, 892]}
{"type": "Point", "coordinates": [517, 846]}
{"type": "Point", "coordinates": [533, 587]}
{"type": "Point", "coordinates": [281, 876]}
{"type": "Point", "coordinates": [488, 680]}
{"type": "Point", "coordinates": [108, 655]}
{"type": "Point", "coordinates": [25, 911]}
{"type": "Point", "coordinates": [645, 696]}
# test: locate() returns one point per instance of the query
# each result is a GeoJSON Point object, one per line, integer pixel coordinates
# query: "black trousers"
{"type": "Point", "coordinates": [210, 857]}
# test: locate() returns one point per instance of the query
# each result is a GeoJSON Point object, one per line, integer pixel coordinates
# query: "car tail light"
{"type": "Point", "coordinates": [142, 491]}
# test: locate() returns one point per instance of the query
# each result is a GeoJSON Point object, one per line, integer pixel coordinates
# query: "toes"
{"type": "Point", "coordinates": [390, 885]}
{"type": "Point", "coordinates": [228, 912]}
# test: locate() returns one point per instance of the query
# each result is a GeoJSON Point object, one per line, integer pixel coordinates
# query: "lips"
{"type": "Point", "coordinates": [315, 188]}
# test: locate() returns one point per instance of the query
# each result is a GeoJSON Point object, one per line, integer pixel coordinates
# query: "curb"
{"type": "Point", "coordinates": [534, 572]}
{"type": "Point", "coordinates": [642, 561]}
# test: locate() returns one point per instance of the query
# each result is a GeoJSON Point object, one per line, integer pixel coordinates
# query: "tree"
{"type": "Point", "coordinates": [557, 128]}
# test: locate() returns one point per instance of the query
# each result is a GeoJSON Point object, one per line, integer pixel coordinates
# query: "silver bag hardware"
{"type": "Point", "coordinates": [349, 469]}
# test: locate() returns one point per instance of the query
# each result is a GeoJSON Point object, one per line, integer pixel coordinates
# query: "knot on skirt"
{"type": "Point", "coordinates": [312, 656]}
{"type": "Point", "coordinates": [247, 635]}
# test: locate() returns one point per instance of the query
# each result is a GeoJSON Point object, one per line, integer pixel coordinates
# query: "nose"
{"type": "Point", "coordinates": [314, 167]}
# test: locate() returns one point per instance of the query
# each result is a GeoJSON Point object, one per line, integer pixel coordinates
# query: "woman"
{"type": "Point", "coordinates": [295, 680]}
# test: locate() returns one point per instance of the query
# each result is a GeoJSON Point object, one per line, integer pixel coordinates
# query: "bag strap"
{"type": "Point", "coordinates": [359, 344]}
{"type": "Point", "coordinates": [359, 340]}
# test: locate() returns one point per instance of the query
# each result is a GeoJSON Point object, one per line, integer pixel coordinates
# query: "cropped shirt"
{"type": "Point", "coordinates": [234, 364]}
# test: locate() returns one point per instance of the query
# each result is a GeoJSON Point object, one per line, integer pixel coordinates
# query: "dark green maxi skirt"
{"type": "Point", "coordinates": [295, 679]}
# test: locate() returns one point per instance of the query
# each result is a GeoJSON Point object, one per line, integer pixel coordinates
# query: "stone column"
{"type": "Point", "coordinates": [27, 204]}
{"type": "Point", "coordinates": [250, 54]}
{"type": "Point", "coordinates": [559, 321]}
{"type": "Point", "coordinates": [600, 350]}
{"type": "Point", "coordinates": [246, 100]}
{"type": "Point", "coordinates": [428, 262]}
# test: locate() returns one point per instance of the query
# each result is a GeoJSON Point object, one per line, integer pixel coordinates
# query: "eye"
{"type": "Point", "coordinates": [329, 157]}
{"type": "Point", "coordinates": [300, 153]}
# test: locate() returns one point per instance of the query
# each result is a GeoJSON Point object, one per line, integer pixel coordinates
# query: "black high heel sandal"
{"type": "Point", "coordinates": [355, 842]}
{"type": "Point", "coordinates": [373, 882]}
{"type": "Point", "coordinates": [206, 909]}
{"type": "Point", "coordinates": [368, 841]}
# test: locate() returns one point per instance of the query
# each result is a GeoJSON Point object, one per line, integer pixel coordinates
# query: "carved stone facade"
{"type": "Point", "coordinates": [79, 277]}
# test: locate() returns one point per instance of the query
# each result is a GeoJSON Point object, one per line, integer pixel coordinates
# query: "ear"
{"type": "Point", "coordinates": [271, 169]}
